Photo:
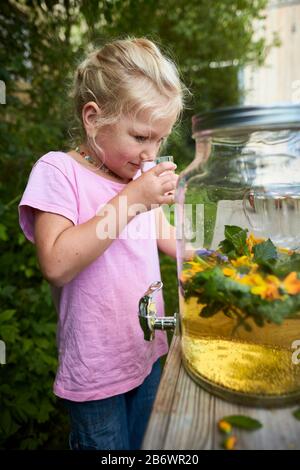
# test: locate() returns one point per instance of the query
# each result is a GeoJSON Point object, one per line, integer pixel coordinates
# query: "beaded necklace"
{"type": "Point", "coordinates": [98, 166]}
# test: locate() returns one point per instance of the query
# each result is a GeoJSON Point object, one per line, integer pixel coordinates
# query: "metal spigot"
{"type": "Point", "coordinates": [147, 314]}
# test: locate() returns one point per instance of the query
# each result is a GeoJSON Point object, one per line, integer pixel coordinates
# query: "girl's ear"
{"type": "Point", "coordinates": [90, 112]}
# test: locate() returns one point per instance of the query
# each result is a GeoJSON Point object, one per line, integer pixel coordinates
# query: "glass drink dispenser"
{"type": "Point", "coordinates": [238, 256]}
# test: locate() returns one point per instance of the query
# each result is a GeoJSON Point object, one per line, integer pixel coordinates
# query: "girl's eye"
{"type": "Point", "coordinates": [140, 138]}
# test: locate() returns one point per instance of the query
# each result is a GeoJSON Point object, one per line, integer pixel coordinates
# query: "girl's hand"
{"type": "Point", "coordinates": [172, 193]}
{"type": "Point", "coordinates": [154, 187]}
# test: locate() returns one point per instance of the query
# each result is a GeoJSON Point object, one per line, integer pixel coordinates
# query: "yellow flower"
{"type": "Point", "coordinates": [229, 272]}
{"type": "Point", "coordinates": [292, 284]}
{"type": "Point", "coordinates": [252, 279]}
{"type": "Point", "coordinates": [185, 275]}
{"type": "Point", "coordinates": [252, 240]}
{"type": "Point", "coordinates": [267, 288]}
{"type": "Point", "coordinates": [285, 251]}
{"type": "Point", "coordinates": [198, 266]}
{"type": "Point", "coordinates": [193, 268]}
{"type": "Point", "coordinates": [230, 443]}
{"type": "Point", "coordinates": [273, 279]}
{"type": "Point", "coordinates": [224, 426]}
{"type": "Point", "coordinates": [245, 261]}
{"type": "Point", "coordinates": [241, 261]}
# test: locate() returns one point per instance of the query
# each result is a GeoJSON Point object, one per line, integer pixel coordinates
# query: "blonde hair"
{"type": "Point", "coordinates": [125, 77]}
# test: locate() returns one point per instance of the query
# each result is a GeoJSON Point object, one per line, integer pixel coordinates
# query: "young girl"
{"type": "Point", "coordinates": [78, 208]}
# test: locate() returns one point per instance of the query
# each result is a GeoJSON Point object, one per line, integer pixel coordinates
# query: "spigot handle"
{"type": "Point", "coordinates": [147, 314]}
{"type": "Point", "coordinates": [155, 287]}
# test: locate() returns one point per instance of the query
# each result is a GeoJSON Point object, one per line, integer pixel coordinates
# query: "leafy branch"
{"type": "Point", "coordinates": [247, 278]}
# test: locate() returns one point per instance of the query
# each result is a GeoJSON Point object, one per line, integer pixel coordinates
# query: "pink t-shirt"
{"type": "Point", "coordinates": [102, 351]}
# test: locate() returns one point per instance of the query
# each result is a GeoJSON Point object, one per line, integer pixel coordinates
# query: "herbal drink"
{"type": "Point", "coordinates": [253, 362]}
{"type": "Point", "coordinates": [240, 321]}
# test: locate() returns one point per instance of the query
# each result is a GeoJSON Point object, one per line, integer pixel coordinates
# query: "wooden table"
{"type": "Point", "coordinates": [185, 416]}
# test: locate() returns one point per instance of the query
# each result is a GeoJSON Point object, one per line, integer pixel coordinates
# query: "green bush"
{"type": "Point", "coordinates": [28, 328]}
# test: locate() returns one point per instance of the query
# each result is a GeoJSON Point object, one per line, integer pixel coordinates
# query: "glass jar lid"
{"type": "Point", "coordinates": [250, 118]}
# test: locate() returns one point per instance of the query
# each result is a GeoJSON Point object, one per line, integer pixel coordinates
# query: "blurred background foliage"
{"type": "Point", "coordinates": [40, 44]}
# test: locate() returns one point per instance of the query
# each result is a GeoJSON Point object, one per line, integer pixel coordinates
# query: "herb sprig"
{"type": "Point", "coordinates": [245, 278]}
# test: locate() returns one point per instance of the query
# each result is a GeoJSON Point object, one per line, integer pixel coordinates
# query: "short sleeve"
{"type": "Point", "coordinates": [48, 189]}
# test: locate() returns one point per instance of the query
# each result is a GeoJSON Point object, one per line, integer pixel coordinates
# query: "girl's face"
{"type": "Point", "coordinates": [131, 141]}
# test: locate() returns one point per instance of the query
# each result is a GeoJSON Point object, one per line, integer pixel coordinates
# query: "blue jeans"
{"type": "Point", "coordinates": [115, 423]}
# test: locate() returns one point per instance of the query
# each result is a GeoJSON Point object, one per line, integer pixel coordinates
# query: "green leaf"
{"type": "Point", "coordinates": [29, 444]}
{"type": "Point", "coordinates": [21, 239]}
{"type": "Point", "coordinates": [44, 411]}
{"type": "Point", "coordinates": [296, 414]}
{"type": "Point", "coordinates": [278, 310]}
{"type": "Point", "coordinates": [243, 422]}
{"type": "Point", "coordinates": [3, 233]}
{"type": "Point", "coordinates": [8, 426]}
{"type": "Point", "coordinates": [264, 252]}
{"type": "Point", "coordinates": [7, 315]}
{"type": "Point", "coordinates": [227, 248]}
{"type": "Point", "coordinates": [231, 231]}
{"type": "Point", "coordinates": [211, 309]}
{"type": "Point", "coordinates": [286, 264]}
{"type": "Point", "coordinates": [234, 244]}
{"type": "Point", "coordinates": [29, 272]}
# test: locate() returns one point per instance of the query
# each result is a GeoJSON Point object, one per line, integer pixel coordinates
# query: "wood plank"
{"type": "Point", "coordinates": [191, 423]}
{"type": "Point", "coordinates": [165, 400]}
{"type": "Point", "coordinates": [280, 429]}
{"type": "Point", "coordinates": [185, 416]}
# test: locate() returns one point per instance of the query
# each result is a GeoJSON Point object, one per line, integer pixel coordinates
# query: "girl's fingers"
{"type": "Point", "coordinates": [163, 179]}
{"type": "Point", "coordinates": [170, 177]}
{"type": "Point", "coordinates": [167, 199]}
{"type": "Point", "coordinates": [164, 166]}
{"type": "Point", "coordinates": [168, 172]}
{"type": "Point", "coordinates": [169, 186]}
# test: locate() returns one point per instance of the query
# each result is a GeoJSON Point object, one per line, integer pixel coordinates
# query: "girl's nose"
{"type": "Point", "coordinates": [147, 156]}
{"type": "Point", "coordinates": [147, 161]}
